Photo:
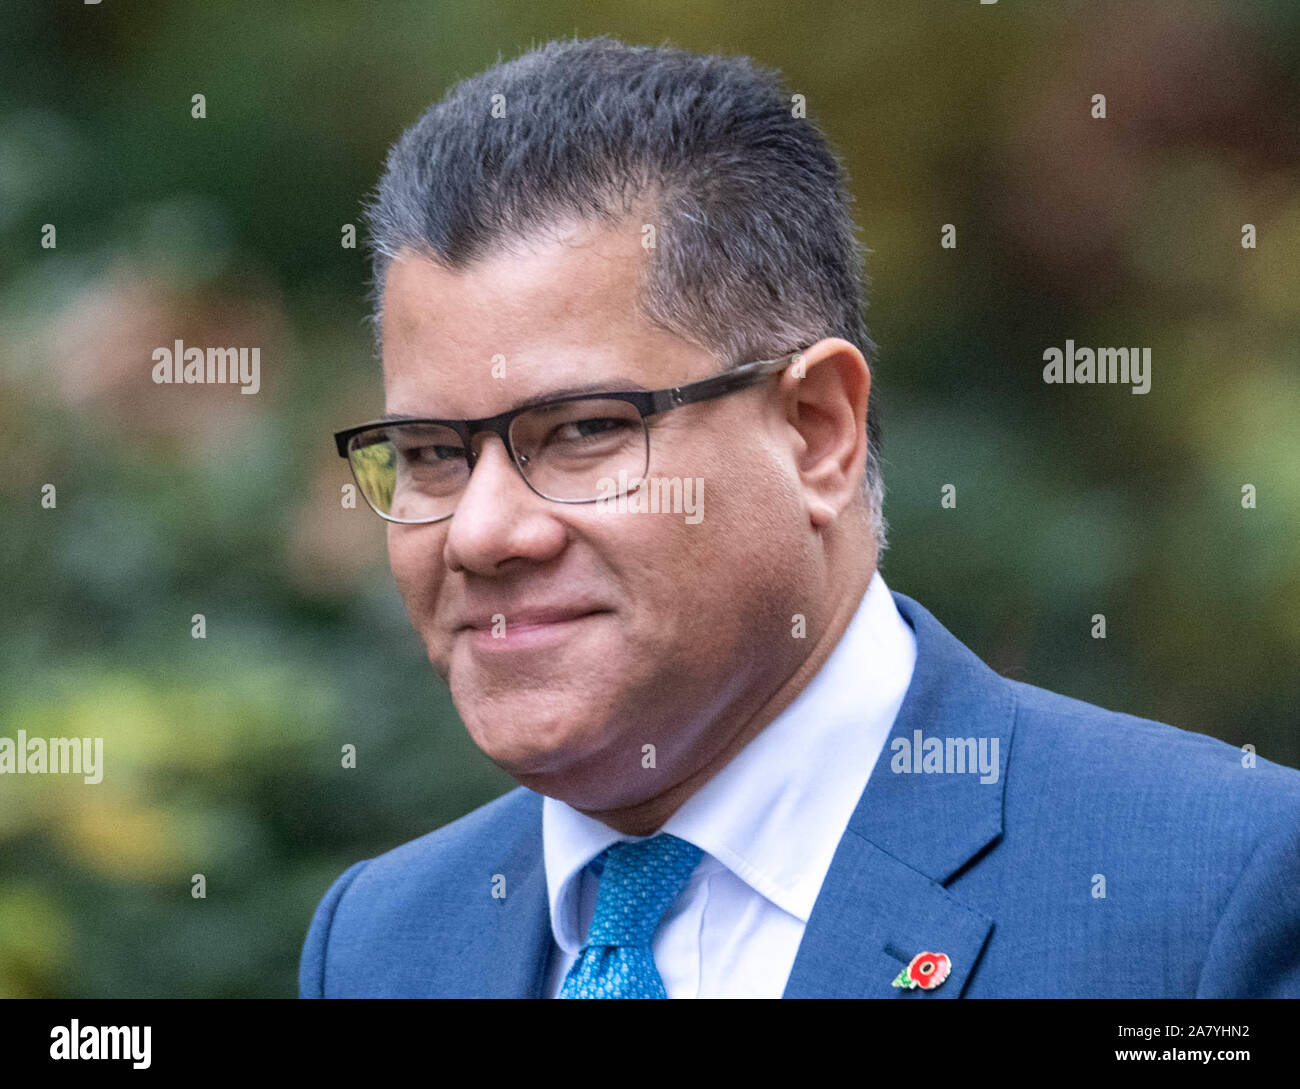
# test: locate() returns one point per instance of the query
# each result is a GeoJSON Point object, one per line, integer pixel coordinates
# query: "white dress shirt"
{"type": "Point", "coordinates": [768, 824]}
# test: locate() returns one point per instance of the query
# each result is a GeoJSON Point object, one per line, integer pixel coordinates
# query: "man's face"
{"type": "Point", "coordinates": [621, 629]}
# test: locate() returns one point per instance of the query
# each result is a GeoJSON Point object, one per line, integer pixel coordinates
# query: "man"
{"type": "Point", "coordinates": [631, 476]}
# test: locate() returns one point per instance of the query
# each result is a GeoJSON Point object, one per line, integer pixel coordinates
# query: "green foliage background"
{"type": "Point", "coordinates": [223, 754]}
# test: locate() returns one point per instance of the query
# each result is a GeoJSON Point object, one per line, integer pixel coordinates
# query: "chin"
{"type": "Point", "coordinates": [524, 743]}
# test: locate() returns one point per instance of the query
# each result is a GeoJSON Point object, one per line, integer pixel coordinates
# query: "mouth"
{"type": "Point", "coordinates": [529, 629]}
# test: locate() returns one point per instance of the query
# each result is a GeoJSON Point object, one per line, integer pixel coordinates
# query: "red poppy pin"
{"type": "Point", "coordinates": [926, 970]}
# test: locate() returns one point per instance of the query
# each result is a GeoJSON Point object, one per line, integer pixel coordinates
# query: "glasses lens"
{"type": "Point", "coordinates": [410, 472]}
{"type": "Point", "coordinates": [581, 450]}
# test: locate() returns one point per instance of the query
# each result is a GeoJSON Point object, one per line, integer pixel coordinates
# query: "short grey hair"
{"type": "Point", "coordinates": [756, 250]}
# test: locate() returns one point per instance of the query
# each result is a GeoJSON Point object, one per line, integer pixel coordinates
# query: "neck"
{"type": "Point", "coordinates": [647, 817]}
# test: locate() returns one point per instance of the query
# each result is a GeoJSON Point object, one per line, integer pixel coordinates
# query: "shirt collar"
{"type": "Point", "coordinates": [775, 814]}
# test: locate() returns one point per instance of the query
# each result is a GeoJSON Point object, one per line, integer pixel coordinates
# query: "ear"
{"type": "Point", "coordinates": [824, 399]}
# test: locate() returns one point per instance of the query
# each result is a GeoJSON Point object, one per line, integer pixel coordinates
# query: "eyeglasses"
{"type": "Point", "coordinates": [573, 449]}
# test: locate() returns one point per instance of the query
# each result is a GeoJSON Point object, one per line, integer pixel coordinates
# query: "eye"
{"type": "Point", "coordinates": [592, 428]}
{"type": "Point", "coordinates": [415, 452]}
{"type": "Point", "coordinates": [433, 454]}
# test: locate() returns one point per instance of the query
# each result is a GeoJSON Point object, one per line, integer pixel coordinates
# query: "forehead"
{"type": "Point", "coordinates": [573, 293]}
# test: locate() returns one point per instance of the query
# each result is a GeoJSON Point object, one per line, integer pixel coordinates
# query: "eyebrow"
{"type": "Point", "coordinates": [608, 385]}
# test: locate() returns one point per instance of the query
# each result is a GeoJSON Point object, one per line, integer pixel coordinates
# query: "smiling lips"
{"type": "Point", "coordinates": [527, 629]}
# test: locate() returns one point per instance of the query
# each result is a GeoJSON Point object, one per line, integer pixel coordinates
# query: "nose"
{"type": "Point", "coordinates": [499, 518]}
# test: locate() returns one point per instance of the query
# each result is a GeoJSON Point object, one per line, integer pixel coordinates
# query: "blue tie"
{"type": "Point", "coordinates": [639, 882]}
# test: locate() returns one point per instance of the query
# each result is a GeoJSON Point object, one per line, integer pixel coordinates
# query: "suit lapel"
{"type": "Point", "coordinates": [506, 949]}
{"type": "Point", "coordinates": [883, 899]}
{"type": "Point", "coordinates": [873, 915]}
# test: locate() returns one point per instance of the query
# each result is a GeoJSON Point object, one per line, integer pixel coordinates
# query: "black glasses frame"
{"type": "Point", "coordinates": [646, 402]}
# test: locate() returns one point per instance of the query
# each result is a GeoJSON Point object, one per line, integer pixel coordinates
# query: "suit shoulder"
{"type": "Point", "coordinates": [515, 816]}
{"type": "Point", "coordinates": [438, 867]}
{"type": "Point", "coordinates": [506, 827]}
{"type": "Point", "coordinates": [1115, 756]}
{"type": "Point", "coordinates": [380, 926]}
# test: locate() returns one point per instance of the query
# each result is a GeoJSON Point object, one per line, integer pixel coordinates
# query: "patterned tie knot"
{"type": "Point", "coordinates": [638, 884]}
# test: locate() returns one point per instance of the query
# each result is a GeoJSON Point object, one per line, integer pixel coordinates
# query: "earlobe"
{"type": "Point", "coordinates": [820, 513]}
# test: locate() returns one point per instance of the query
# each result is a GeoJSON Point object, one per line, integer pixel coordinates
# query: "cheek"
{"type": "Point", "coordinates": [742, 458]}
{"type": "Point", "coordinates": [756, 520]}
{"type": "Point", "coordinates": [751, 501]}
{"type": "Point", "coordinates": [746, 556]}
{"type": "Point", "coordinates": [415, 558]}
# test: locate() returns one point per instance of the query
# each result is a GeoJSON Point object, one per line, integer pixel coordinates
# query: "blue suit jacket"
{"type": "Point", "coordinates": [1200, 858]}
